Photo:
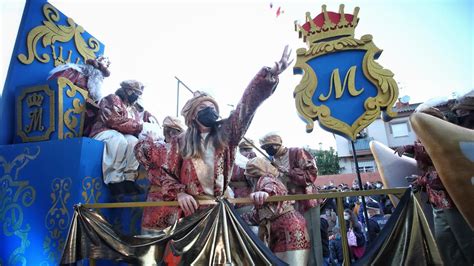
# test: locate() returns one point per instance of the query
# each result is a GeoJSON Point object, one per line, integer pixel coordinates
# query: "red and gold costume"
{"type": "Point", "coordinates": [429, 181]}
{"type": "Point", "coordinates": [280, 225]}
{"type": "Point", "coordinates": [116, 115]}
{"type": "Point", "coordinates": [453, 235]}
{"type": "Point", "coordinates": [89, 77]}
{"type": "Point", "coordinates": [239, 183]}
{"type": "Point", "coordinates": [183, 174]}
{"type": "Point", "coordinates": [152, 155]}
{"type": "Point", "coordinates": [299, 175]}
{"type": "Point", "coordinates": [118, 125]}
{"type": "Point", "coordinates": [300, 167]}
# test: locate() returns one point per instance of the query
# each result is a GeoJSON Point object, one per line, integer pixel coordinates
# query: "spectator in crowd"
{"type": "Point", "coordinates": [354, 230]}
{"type": "Point", "coordinates": [325, 241]}
{"type": "Point", "coordinates": [373, 210]}
{"type": "Point", "coordinates": [335, 247]}
{"type": "Point", "coordinates": [331, 218]}
{"type": "Point", "coordinates": [374, 228]}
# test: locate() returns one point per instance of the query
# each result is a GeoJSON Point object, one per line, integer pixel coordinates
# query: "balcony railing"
{"type": "Point", "coordinates": [361, 144]}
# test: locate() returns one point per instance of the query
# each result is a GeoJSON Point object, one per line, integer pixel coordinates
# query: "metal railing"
{"type": "Point", "coordinates": [339, 196]}
{"type": "Point", "coordinates": [362, 144]}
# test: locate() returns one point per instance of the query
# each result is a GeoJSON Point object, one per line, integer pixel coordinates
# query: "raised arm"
{"type": "Point", "coordinates": [259, 89]}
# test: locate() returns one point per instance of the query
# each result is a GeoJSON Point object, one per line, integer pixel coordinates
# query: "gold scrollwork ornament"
{"type": "Point", "coordinates": [14, 196]}
{"type": "Point", "coordinates": [57, 218]}
{"type": "Point", "coordinates": [91, 189]}
{"type": "Point", "coordinates": [69, 118]}
{"type": "Point", "coordinates": [50, 33]}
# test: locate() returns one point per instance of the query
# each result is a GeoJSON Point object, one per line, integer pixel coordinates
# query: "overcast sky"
{"type": "Point", "coordinates": [218, 46]}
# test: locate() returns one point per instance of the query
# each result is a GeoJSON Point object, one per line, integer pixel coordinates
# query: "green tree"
{"type": "Point", "coordinates": [327, 161]}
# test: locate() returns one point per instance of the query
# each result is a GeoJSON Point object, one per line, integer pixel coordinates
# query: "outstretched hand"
{"type": "Point", "coordinates": [284, 62]}
{"type": "Point", "coordinates": [400, 151]}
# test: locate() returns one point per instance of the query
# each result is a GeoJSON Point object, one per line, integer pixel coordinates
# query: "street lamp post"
{"type": "Point", "coordinates": [177, 94]}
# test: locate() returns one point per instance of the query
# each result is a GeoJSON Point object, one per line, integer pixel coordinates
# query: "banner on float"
{"type": "Point", "coordinates": [342, 86]}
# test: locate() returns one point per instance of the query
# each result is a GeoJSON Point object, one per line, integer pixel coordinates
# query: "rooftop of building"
{"type": "Point", "coordinates": [347, 178]}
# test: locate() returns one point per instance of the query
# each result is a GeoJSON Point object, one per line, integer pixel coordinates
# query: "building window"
{"type": "Point", "coordinates": [399, 130]}
{"type": "Point", "coordinates": [366, 169]}
{"type": "Point", "coordinates": [366, 166]}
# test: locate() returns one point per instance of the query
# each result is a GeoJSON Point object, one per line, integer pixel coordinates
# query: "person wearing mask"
{"type": "Point", "coordinates": [118, 125]}
{"type": "Point", "coordinates": [298, 173]}
{"type": "Point", "coordinates": [281, 227]}
{"type": "Point", "coordinates": [200, 161]}
{"type": "Point", "coordinates": [381, 199]}
{"type": "Point", "coordinates": [152, 153]}
{"type": "Point", "coordinates": [355, 235]}
{"type": "Point", "coordinates": [240, 184]}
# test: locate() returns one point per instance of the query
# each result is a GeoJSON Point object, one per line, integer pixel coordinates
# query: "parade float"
{"type": "Point", "coordinates": [55, 208]}
{"type": "Point", "coordinates": [47, 166]}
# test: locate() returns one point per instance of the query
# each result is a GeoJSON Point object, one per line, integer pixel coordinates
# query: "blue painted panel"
{"type": "Point", "coordinates": [347, 108]}
{"type": "Point", "coordinates": [26, 69]}
{"type": "Point", "coordinates": [40, 182]}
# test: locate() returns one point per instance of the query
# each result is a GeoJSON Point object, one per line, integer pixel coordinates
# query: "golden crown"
{"type": "Point", "coordinates": [327, 25]}
{"type": "Point", "coordinates": [58, 57]}
{"type": "Point", "coordinates": [34, 99]}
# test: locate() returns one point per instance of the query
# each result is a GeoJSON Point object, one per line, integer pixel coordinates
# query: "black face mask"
{"type": "Point", "coordinates": [207, 117]}
{"type": "Point", "coordinates": [132, 98]}
{"type": "Point", "coordinates": [271, 150]}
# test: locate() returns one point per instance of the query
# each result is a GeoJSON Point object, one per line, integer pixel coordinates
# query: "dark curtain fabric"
{"type": "Point", "coordinates": [212, 236]}
{"type": "Point", "coordinates": [406, 239]}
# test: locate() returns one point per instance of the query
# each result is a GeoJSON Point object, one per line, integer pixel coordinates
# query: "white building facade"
{"type": "Point", "coordinates": [395, 133]}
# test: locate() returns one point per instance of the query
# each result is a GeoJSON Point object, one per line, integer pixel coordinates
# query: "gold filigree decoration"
{"type": "Point", "coordinates": [57, 218]}
{"type": "Point", "coordinates": [91, 189]}
{"type": "Point", "coordinates": [330, 46]}
{"type": "Point", "coordinates": [20, 131]}
{"type": "Point", "coordinates": [14, 196]}
{"type": "Point", "coordinates": [387, 90]}
{"type": "Point", "coordinates": [50, 32]}
{"type": "Point", "coordinates": [69, 118]}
